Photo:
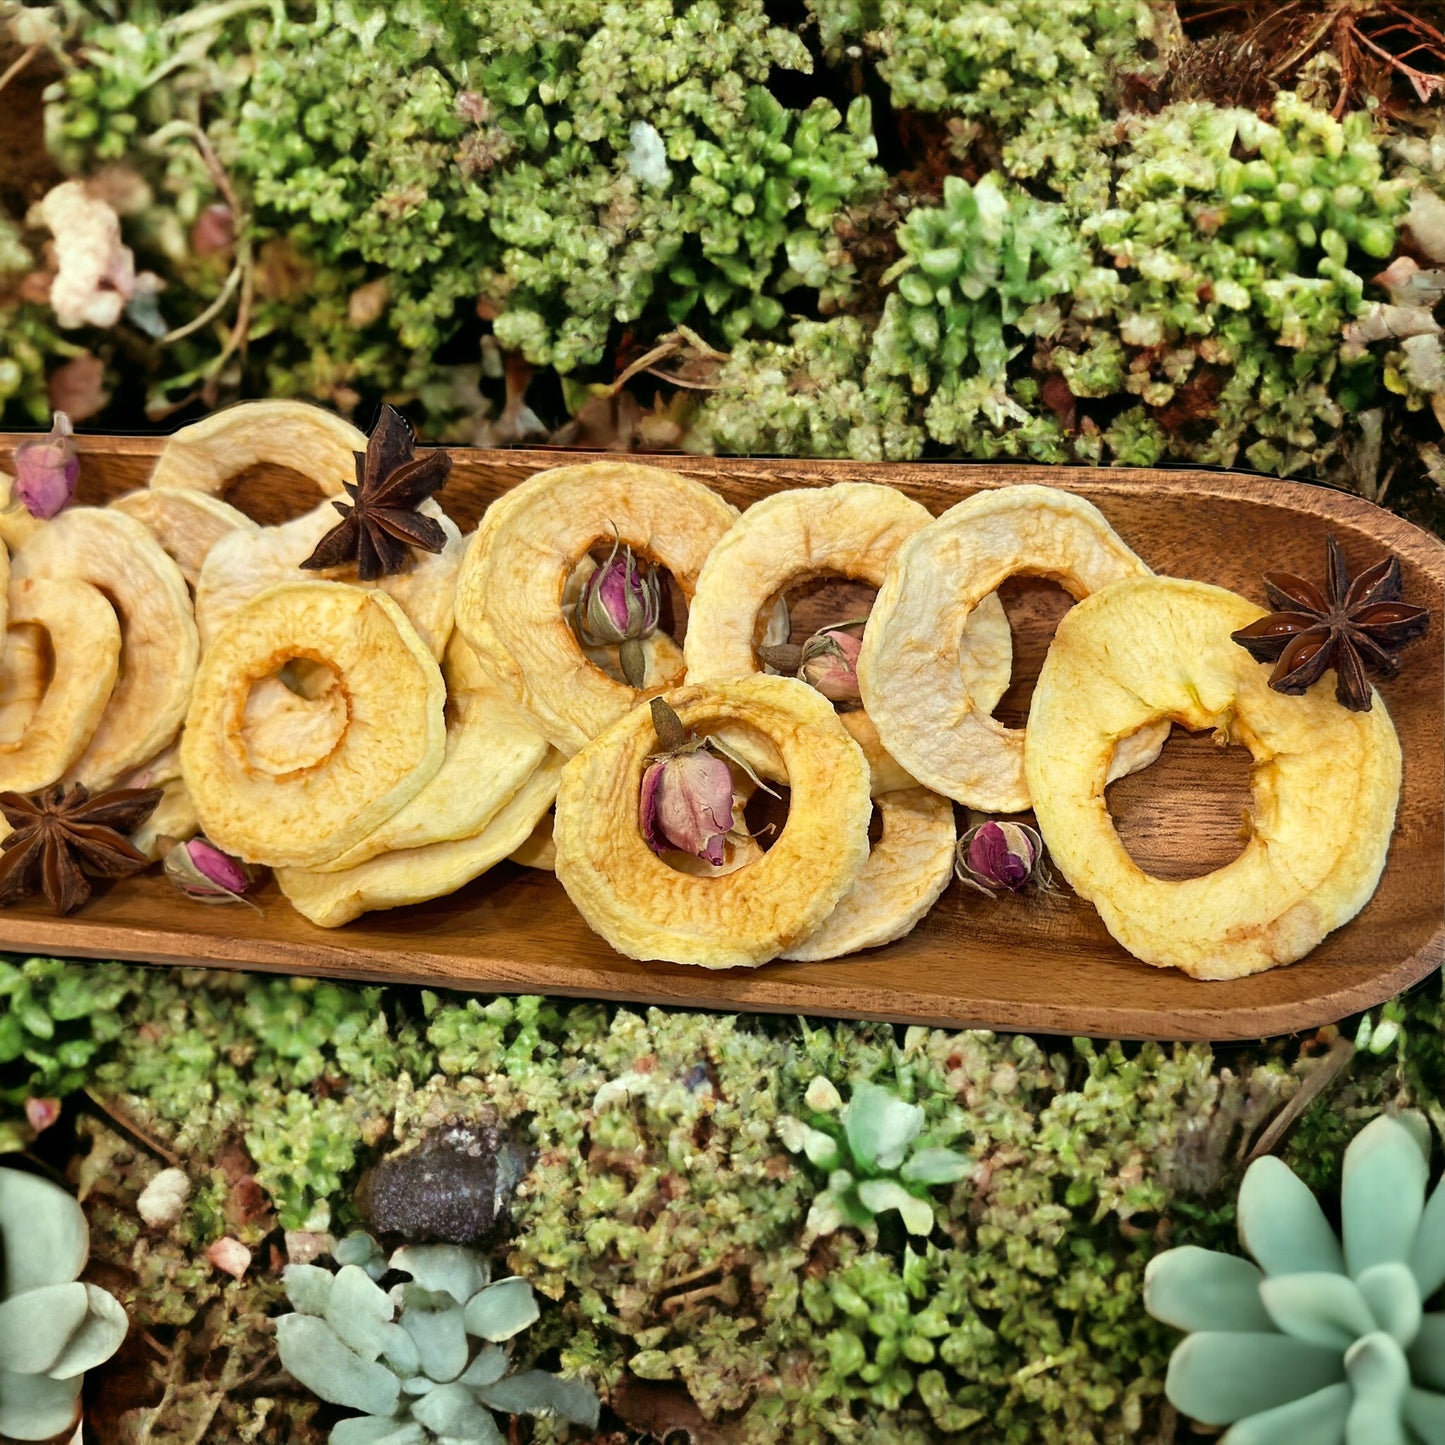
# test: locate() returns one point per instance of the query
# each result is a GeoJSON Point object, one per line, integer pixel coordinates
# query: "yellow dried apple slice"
{"type": "Point", "coordinates": [244, 564]}
{"type": "Point", "coordinates": [415, 875]}
{"type": "Point", "coordinates": [16, 523]}
{"type": "Point", "coordinates": [647, 910]}
{"type": "Point", "coordinates": [24, 676]}
{"type": "Point", "coordinates": [174, 817]}
{"type": "Point", "coordinates": [512, 582]}
{"type": "Point", "coordinates": [283, 730]}
{"type": "Point", "coordinates": [907, 869]}
{"type": "Point", "coordinates": [537, 850]}
{"type": "Point", "coordinates": [204, 456]}
{"type": "Point", "coordinates": [391, 746]}
{"type": "Point", "coordinates": [186, 524]}
{"type": "Point", "coordinates": [158, 644]}
{"type": "Point", "coordinates": [852, 529]}
{"type": "Point", "coordinates": [1326, 780]}
{"type": "Point", "coordinates": [84, 639]}
{"type": "Point", "coordinates": [491, 750]}
{"type": "Point", "coordinates": [912, 673]}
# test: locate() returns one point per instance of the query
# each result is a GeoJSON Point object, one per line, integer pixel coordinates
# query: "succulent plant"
{"type": "Point", "coordinates": [876, 1156]}
{"type": "Point", "coordinates": [53, 1328]}
{"type": "Point", "coordinates": [978, 277]}
{"type": "Point", "coordinates": [1325, 1339]}
{"type": "Point", "coordinates": [407, 1357]}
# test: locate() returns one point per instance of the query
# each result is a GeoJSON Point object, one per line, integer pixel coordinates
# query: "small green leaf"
{"type": "Point", "coordinates": [450, 1411]}
{"type": "Point", "coordinates": [1199, 1289]}
{"type": "Point", "coordinates": [36, 1326]}
{"type": "Point", "coordinates": [936, 1166]}
{"type": "Point", "coordinates": [311, 1352]}
{"type": "Point", "coordinates": [374, 1430]}
{"type": "Point", "coordinates": [488, 1367]}
{"type": "Point", "coordinates": [501, 1310]}
{"type": "Point", "coordinates": [100, 1335]}
{"type": "Point", "coordinates": [460, 1272]}
{"type": "Point", "coordinates": [535, 1392]}
{"type": "Point", "coordinates": [35, 1407]}
{"type": "Point", "coordinates": [880, 1126]}
{"type": "Point", "coordinates": [1220, 1378]}
{"type": "Point", "coordinates": [308, 1287]}
{"type": "Point", "coordinates": [1394, 1300]}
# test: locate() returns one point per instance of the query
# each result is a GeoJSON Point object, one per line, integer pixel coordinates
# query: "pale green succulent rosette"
{"type": "Point", "coordinates": [876, 1156]}
{"type": "Point", "coordinates": [1324, 1341]}
{"type": "Point", "coordinates": [408, 1357]}
{"type": "Point", "coordinates": [52, 1327]}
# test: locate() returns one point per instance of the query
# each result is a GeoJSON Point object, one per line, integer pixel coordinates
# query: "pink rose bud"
{"type": "Point", "coordinates": [996, 856]}
{"type": "Point", "coordinates": [201, 871]}
{"type": "Point", "coordinates": [46, 470]}
{"type": "Point", "coordinates": [687, 804]}
{"type": "Point", "coordinates": [620, 603]}
{"type": "Point", "coordinates": [830, 664]}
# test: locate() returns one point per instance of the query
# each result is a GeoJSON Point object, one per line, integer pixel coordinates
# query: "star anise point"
{"type": "Point", "coordinates": [380, 525]}
{"type": "Point", "coordinates": [59, 835]}
{"type": "Point", "coordinates": [1354, 626]}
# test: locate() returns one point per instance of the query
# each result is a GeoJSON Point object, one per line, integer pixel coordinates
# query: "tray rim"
{"type": "Point", "coordinates": [329, 955]}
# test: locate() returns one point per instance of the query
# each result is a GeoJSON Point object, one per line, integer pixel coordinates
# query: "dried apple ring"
{"type": "Point", "coordinates": [911, 671]}
{"type": "Point", "coordinates": [1326, 780]}
{"type": "Point", "coordinates": [852, 529]}
{"type": "Point", "coordinates": [158, 644]}
{"type": "Point", "coordinates": [204, 456]}
{"type": "Point", "coordinates": [491, 750]}
{"type": "Point", "coordinates": [907, 869]}
{"type": "Point", "coordinates": [244, 564]}
{"type": "Point", "coordinates": [391, 746]}
{"type": "Point", "coordinates": [85, 648]}
{"type": "Point", "coordinates": [647, 910]}
{"type": "Point", "coordinates": [186, 524]}
{"type": "Point", "coordinates": [415, 875]}
{"type": "Point", "coordinates": [512, 581]}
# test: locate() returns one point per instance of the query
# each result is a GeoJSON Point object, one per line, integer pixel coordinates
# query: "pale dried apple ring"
{"type": "Point", "coordinates": [158, 643]}
{"type": "Point", "coordinates": [204, 456]}
{"type": "Point", "coordinates": [907, 870]}
{"type": "Point", "coordinates": [852, 529]}
{"type": "Point", "coordinates": [24, 676]}
{"type": "Point", "coordinates": [491, 750]}
{"type": "Point", "coordinates": [911, 672]}
{"type": "Point", "coordinates": [186, 524]}
{"type": "Point", "coordinates": [244, 564]}
{"type": "Point", "coordinates": [16, 524]}
{"type": "Point", "coordinates": [647, 910]}
{"type": "Point", "coordinates": [283, 731]}
{"type": "Point", "coordinates": [415, 875]}
{"type": "Point", "coordinates": [392, 744]}
{"type": "Point", "coordinates": [537, 850]}
{"type": "Point", "coordinates": [85, 648]}
{"type": "Point", "coordinates": [1326, 780]}
{"type": "Point", "coordinates": [511, 585]}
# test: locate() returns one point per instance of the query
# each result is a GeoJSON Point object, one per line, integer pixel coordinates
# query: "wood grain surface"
{"type": "Point", "coordinates": [1044, 963]}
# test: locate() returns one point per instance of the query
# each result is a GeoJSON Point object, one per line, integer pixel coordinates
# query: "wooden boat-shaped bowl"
{"type": "Point", "coordinates": [1042, 963]}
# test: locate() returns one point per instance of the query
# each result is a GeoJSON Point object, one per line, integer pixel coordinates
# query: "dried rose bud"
{"type": "Point", "coordinates": [1000, 856]}
{"type": "Point", "coordinates": [687, 804]}
{"type": "Point", "coordinates": [46, 470]}
{"type": "Point", "coordinates": [830, 664]}
{"type": "Point", "coordinates": [620, 603]}
{"type": "Point", "coordinates": [201, 871]}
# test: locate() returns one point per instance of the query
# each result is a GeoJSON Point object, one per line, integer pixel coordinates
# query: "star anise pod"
{"type": "Point", "coordinates": [1353, 626]}
{"type": "Point", "coordinates": [59, 835]}
{"type": "Point", "coordinates": [381, 524]}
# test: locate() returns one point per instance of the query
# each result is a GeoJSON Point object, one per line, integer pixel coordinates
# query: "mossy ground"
{"type": "Point", "coordinates": [661, 1219]}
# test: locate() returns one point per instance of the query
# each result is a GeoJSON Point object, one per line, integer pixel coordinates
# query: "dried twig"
{"type": "Point", "coordinates": [13, 70]}
{"type": "Point", "coordinates": [1328, 1070]}
{"type": "Point", "coordinates": [127, 1125]}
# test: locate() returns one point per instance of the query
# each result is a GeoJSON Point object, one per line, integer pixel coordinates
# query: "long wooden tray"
{"type": "Point", "coordinates": [1043, 964]}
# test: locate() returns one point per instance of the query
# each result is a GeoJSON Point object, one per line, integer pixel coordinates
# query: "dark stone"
{"type": "Point", "coordinates": [452, 1187]}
